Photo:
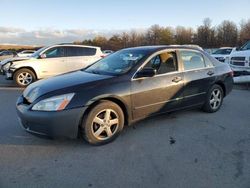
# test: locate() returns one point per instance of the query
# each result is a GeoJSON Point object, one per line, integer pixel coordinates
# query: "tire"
{"type": "Point", "coordinates": [103, 123]}
{"type": "Point", "coordinates": [214, 99]}
{"type": "Point", "coordinates": [24, 77]}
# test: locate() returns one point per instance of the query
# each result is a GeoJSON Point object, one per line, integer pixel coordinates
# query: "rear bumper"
{"type": "Point", "coordinates": [52, 124]}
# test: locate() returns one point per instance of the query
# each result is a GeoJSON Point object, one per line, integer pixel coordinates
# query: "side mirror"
{"type": "Point", "coordinates": [42, 56]}
{"type": "Point", "coordinates": [237, 48]}
{"type": "Point", "coordinates": [146, 72]}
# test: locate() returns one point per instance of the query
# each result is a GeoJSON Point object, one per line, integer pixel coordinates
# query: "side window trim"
{"type": "Point", "coordinates": [195, 51]}
{"type": "Point", "coordinates": [179, 64]}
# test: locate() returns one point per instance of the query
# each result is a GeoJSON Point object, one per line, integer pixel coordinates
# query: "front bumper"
{"type": "Point", "coordinates": [1, 70]}
{"type": "Point", "coordinates": [52, 124]}
{"type": "Point", "coordinates": [9, 75]}
{"type": "Point", "coordinates": [240, 68]}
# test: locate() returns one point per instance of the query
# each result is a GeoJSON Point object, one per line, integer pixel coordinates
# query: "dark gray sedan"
{"type": "Point", "coordinates": [124, 87]}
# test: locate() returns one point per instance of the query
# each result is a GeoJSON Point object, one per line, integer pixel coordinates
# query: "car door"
{"type": "Point", "coordinates": [52, 62]}
{"type": "Point", "coordinates": [199, 75]}
{"type": "Point", "coordinates": [80, 57]}
{"type": "Point", "coordinates": [160, 93]}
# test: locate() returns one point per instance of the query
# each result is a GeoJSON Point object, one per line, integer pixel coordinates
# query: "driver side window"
{"type": "Point", "coordinates": [164, 63]}
{"type": "Point", "coordinates": [55, 52]}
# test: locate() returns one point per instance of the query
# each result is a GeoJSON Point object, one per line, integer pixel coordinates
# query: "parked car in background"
{"type": "Point", "coordinates": [222, 53]}
{"type": "Point", "coordinates": [7, 54]}
{"type": "Point", "coordinates": [51, 61]}
{"type": "Point", "coordinates": [210, 50]}
{"type": "Point", "coordinates": [25, 53]}
{"type": "Point", "coordinates": [240, 60]}
{"type": "Point", "coordinates": [107, 52]}
{"type": "Point", "coordinates": [128, 85]}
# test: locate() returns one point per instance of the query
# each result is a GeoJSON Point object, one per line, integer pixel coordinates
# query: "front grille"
{"type": "Point", "coordinates": [238, 58]}
{"type": "Point", "coordinates": [238, 61]}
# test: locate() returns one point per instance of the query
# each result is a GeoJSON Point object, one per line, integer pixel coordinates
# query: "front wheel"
{"type": "Point", "coordinates": [214, 99]}
{"type": "Point", "coordinates": [103, 123]}
{"type": "Point", "coordinates": [24, 77]}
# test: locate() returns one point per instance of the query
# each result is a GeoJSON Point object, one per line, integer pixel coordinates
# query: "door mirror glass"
{"type": "Point", "coordinates": [146, 72]}
{"type": "Point", "coordinates": [43, 56]}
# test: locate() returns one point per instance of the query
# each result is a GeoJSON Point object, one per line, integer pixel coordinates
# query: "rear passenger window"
{"type": "Point", "coordinates": [80, 51]}
{"type": "Point", "coordinates": [192, 60]}
{"type": "Point", "coordinates": [164, 63]}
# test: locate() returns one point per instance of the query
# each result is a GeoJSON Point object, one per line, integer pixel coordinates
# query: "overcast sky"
{"type": "Point", "coordinates": [52, 21]}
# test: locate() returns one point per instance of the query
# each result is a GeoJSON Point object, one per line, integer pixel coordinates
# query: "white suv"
{"type": "Point", "coordinates": [51, 61]}
{"type": "Point", "coordinates": [240, 60]}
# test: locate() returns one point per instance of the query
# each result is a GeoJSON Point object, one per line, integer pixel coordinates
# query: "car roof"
{"type": "Point", "coordinates": [163, 47]}
{"type": "Point", "coordinates": [71, 44]}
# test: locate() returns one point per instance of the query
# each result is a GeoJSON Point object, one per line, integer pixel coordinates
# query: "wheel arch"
{"type": "Point", "coordinates": [114, 99]}
{"type": "Point", "coordinates": [27, 67]}
{"type": "Point", "coordinates": [222, 85]}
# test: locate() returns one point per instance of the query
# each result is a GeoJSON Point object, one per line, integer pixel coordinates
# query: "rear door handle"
{"type": "Point", "coordinates": [210, 73]}
{"type": "Point", "coordinates": [176, 79]}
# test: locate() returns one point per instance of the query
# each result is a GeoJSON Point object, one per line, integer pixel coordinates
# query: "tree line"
{"type": "Point", "coordinates": [227, 33]}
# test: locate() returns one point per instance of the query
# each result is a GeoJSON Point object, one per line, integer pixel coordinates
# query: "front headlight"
{"type": "Point", "coordinates": [56, 103]}
{"type": "Point", "coordinates": [6, 66]}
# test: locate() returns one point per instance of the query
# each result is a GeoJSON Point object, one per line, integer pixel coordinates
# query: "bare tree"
{"type": "Point", "coordinates": [183, 35]}
{"type": "Point", "coordinates": [244, 31]}
{"type": "Point", "coordinates": [206, 34]}
{"type": "Point", "coordinates": [227, 33]}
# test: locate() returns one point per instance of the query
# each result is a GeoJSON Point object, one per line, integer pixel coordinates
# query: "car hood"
{"type": "Point", "coordinates": [69, 80]}
{"type": "Point", "coordinates": [13, 59]}
{"type": "Point", "coordinates": [241, 53]}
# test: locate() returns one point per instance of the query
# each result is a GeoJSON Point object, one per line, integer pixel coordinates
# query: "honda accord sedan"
{"type": "Point", "coordinates": [96, 102]}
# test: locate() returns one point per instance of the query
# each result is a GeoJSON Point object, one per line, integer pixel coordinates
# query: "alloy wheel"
{"type": "Point", "coordinates": [24, 78]}
{"type": "Point", "coordinates": [215, 99]}
{"type": "Point", "coordinates": [105, 124]}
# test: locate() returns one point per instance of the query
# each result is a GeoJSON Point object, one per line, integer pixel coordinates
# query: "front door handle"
{"type": "Point", "coordinates": [210, 73]}
{"type": "Point", "coordinates": [176, 79]}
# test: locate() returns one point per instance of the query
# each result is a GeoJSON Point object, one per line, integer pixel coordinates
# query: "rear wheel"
{"type": "Point", "coordinates": [214, 99]}
{"type": "Point", "coordinates": [103, 123]}
{"type": "Point", "coordinates": [24, 77]}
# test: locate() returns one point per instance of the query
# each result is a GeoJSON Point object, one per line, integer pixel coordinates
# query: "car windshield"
{"type": "Point", "coordinates": [118, 63]}
{"type": "Point", "coordinates": [246, 46]}
{"type": "Point", "coordinates": [223, 51]}
{"type": "Point", "coordinates": [37, 53]}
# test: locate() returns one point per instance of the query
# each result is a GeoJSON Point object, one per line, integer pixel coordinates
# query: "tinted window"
{"type": "Point", "coordinates": [55, 52]}
{"type": "Point", "coordinates": [223, 51]}
{"type": "Point", "coordinates": [80, 51]}
{"type": "Point", "coordinates": [246, 46]}
{"type": "Point", "coordinates": [192, 60]}
{"type": "Point", "coordinates": [164, 63]}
